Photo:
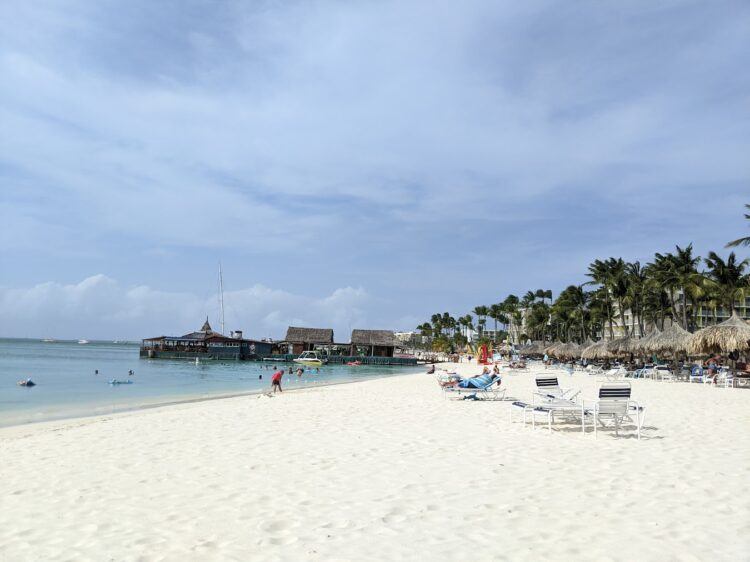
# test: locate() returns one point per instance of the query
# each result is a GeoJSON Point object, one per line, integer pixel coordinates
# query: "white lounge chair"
{"type": "Point", "coordinates": [548, 388]}
{"type": "Point", "coordinates": [492, 390]}
{"type": "Point", "coordinates": [697, 374]}
{"type": "Point", "coordinates": [615, 404]}
{"type": "Point", "coordinates": [616, 374]}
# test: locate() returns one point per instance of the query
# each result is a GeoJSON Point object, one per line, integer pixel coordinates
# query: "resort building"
{"type": "Point", "coordinates": [374, 343]}
{"type": "Point", "coordinates": [308, 339]}
{"type": "Point", "coordinates": [204, 344]}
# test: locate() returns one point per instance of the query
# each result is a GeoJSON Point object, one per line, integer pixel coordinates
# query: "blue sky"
{"type": "Point", "coordinates": [353, 164]}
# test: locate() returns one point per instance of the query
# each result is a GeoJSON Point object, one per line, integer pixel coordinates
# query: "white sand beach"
{"type": "Point", "coordinates": [382, 470]}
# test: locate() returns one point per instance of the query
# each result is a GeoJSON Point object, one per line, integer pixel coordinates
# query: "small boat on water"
{"type": "Point", "coordinates": [26, 382]}
{"type": "Point", "coordinates": [83, 342]}
{"type": "Point", "coordinates": [115, 381]}
{"type": "Point", "coordinates": [311, 358]}
{"type": "Point", "coordinates": [48, 340]}
{"type": "Point", "coordinates": [354, 363]}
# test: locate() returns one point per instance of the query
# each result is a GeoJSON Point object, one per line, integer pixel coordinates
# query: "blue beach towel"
{"type": "Point", "coordinates": [476, 382]}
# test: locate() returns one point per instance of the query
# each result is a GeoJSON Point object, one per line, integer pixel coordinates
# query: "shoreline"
{"type": "Point", "coordinates": [118, 411]}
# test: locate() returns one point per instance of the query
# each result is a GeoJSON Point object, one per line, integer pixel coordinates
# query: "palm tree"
{"type": "Point", "coordinates": [637, 277]}
{"type": "Point", "coordinates": [496, 313]}
{"type": "Point", "coordinates": [741, 241]}
{"type": "Point", "coordinates": [425, 330]}
{"type": "Point", "coordinates": [728, 277]}
{"type": "Point", "coordinates": [687, 276]}
{"type": "Point", "coordinates": [603, 273]}
{"type": "Point", "coordinates": [511, 304]}
{"type": "Point", "coordinates": [663, 277]}
{"type": "Point", "coordinates": [528, 299]}
{"type": "Point", "coordinates": [481, 313]}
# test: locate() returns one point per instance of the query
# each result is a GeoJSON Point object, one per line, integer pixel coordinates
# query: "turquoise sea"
{"type": "Point", "coordinates": [67, 385]}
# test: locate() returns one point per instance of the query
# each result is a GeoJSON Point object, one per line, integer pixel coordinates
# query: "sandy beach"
{"type": "Point", "coordinates": [382, 470]}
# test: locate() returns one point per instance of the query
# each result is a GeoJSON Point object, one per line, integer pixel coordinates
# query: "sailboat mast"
{"type": "Point", "coordinates": [221, 297]}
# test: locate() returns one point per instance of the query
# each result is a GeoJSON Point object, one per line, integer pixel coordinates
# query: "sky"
{"type": "Point", "coordinates": [353, 164]}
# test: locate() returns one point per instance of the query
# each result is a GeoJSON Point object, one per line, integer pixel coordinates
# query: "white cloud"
{"type": "Point", "coordinates": [100, 307]}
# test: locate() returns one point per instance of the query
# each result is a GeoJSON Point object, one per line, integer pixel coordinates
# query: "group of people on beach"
{"type": "Point", "coordinates": [279, 373]}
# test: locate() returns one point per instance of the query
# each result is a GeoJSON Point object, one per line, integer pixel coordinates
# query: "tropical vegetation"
{"type": "Point", "coordinates": [677, 287]}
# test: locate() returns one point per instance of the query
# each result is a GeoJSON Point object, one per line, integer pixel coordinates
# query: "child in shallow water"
{"type": "Point", "coordinates": [276, 380]}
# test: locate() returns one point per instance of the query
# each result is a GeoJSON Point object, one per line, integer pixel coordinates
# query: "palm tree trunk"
{"type": "Point", "coordinates": [684, 309]}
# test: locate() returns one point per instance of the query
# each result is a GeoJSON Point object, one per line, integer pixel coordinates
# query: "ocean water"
{"type": "Point", "coordinates": [67, 385]}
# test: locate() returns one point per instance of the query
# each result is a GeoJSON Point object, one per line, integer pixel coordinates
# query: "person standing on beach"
{"type": "Point", "coordinates": [276, 380]}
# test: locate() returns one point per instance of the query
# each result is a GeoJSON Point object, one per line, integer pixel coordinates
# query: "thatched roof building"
{"type": "Point", "coordinates": [309, 335]}
{"type": "Point", "coordinates": [306, 339]}
{"type": "Point", "coordinates": [374, 337]}
{"type": "Point", "coordinates": [730, 335]}
{"type": "Point", "coordinates": [376, 343]}
{"type": "Point", "coordinates": [674, 339]}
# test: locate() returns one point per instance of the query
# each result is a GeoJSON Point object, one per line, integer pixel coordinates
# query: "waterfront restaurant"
{"type": "Point", "coordinates": [373, 343]}
{"type": "Point", "coordinates": [204, 344]}
{"type": "Point", "coordinates": [308, 339]}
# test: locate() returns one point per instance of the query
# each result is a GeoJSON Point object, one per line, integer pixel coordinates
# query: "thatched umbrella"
{"type": "Point", "coordinates": [641, 345]}
{"type": "Point", "coordinates": [674, 339]}
{"type": "Point", "coordinates": [534, 348]}
{"type": "Point", "coordinates": [570, 349]}
{"type": "Point", "coordinates": [619, 346]}
{"type": "Point", "coordinates": [730, 335]}
{"type": "Point", "coordinates": [597, 350]}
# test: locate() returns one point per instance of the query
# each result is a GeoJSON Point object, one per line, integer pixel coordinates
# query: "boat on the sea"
{"type": "Point", "coordinates": [115, 381]}
{"type": "Point", "coordinates": [26, 382]}
{"type": "Point", "coordinates": [83, 342]}
{"type": "Point", "coordinates": [311, 358]}
{"type": "Point", "coordinates": [48, 340]}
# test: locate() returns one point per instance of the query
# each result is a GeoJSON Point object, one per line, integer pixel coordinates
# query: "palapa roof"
{"type": "Point", "coordinates": [641, 345]}
{"type": "Point", "coordinates": [570, 349]}
{"type": "Point", "coordinates": [596, 350]}
{"type": "Point", "coordinates": [730, 335]}
{"type": "Point", "coordinates": [620, 346]}
{"type": "Point", "coordinates": [534, 348]}
{"type": "Point", "coordinates": [374, 337]}
{"type": "Point", "coordinates": [560, 349]}
{"type": "Point", "coordinates": [674, 339]}
{"type": "Point", "coordinates": [309, 335]}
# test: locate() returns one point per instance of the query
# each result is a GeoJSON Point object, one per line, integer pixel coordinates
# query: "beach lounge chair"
{"type": "Point", "coordinates": [615, 404]}
{"type": "Point", "coordinates": [592, 369]}
{"type": "Point", "coordinates": [483, 387]}
{"type": "Point", "coordinates": [559, 408]}
{"type": "Point", "coordinates": [616, 374]}
{"type": "Point", "coordinates": [725, 378]}
{"type": "Point", "coordinates": [697, 375]}
{"type": "Point", "coordinates": [548, 388]}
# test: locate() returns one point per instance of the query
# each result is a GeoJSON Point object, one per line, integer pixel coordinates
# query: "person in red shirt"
{"type": "Point", "coordinates": [276, 380]}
